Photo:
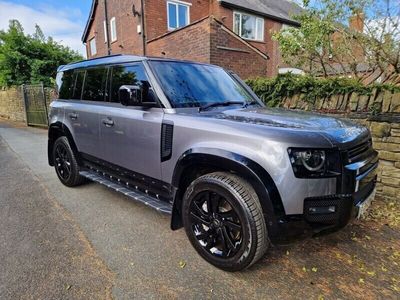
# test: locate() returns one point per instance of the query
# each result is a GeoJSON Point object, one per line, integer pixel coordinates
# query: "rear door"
{"type": "Point", "coordinates": [130, 135]}
{"type": "Point", "coordinates": [82, 111]}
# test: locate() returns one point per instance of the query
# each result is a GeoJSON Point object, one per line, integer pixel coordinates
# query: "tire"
{"type": "Point", "coordinates": [65, 162]}
{"type": "Point", "coordinates": [224, 222]}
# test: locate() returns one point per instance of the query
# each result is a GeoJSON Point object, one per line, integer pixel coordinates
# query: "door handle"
{"type": "Point", "coordinates": [73, 116]}
{"type": "Point", "coordinates": [108, 122]}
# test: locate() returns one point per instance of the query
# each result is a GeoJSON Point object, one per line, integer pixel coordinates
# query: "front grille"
{"type": "Point", "coordinates": [360, 151]}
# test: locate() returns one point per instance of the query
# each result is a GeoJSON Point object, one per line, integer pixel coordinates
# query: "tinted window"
{"type": "Point", "coordinates": [129, 75]}
{"type": "Point", "coordinates": [79, 77]}
{"type": "Point", "coordinates": [95, 84]}
{"type": "Point", "coordinates": [194, 85]}
{"type": "Point", "coordinates": [65, 84]}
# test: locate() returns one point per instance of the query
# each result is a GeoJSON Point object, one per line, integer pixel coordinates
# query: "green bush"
{"type": "Point", "coordinates": [274, 90]}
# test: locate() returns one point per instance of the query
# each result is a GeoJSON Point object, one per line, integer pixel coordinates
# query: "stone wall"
{"type": "Point", "coordinates": [379, 111]}
{"type": "Point", "coordinates": [12, 105]}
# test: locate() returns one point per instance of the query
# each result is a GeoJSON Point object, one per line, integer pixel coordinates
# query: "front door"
{"type": "Point", "coordinates": [130, 135]}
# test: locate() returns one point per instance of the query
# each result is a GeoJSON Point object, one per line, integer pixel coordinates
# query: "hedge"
{"type": "Point", "coordinates": [274, 90]}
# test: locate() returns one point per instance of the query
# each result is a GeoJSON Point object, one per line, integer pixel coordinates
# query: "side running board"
{"type": "Point", "coordinates": [132, 193]}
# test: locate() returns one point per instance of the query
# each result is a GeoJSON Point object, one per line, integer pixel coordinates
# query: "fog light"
{"type": "Point", "coordinates": [322, 210]}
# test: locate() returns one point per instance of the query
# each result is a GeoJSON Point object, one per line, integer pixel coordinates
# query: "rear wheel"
{"type": "Point", "coordinates": [65, 163]}
{"type": "Point", "coordinates": [224, 222]}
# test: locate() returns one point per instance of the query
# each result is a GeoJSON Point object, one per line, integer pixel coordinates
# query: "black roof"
{"type": "Point", "coordinates": [280, 10]}
{"type": "Point", "coordinates": [116, 59]}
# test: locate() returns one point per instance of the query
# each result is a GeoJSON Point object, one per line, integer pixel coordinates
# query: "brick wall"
{"type": "Point", "coordinates": [213, 44]}
{"type": "Point", "coordinates": [381, 113]}
{"type": "Point", "coordinates": [180, 44]}
{"type": "Point", "coordinates": [130, 42]}
{"type": "Point", "coordinates": [12, 105]}
{"type": "Point", "coordinates": [231, 53]}
{"type": "Point", "coordinates": [156, 15]}
{"type": "Point", "coordinates": [268, 46]}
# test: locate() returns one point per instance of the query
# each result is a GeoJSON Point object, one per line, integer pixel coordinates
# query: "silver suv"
{"type": "Point", "coordinates": [192, 140]}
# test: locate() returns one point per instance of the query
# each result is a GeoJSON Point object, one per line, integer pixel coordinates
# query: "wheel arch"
{"type": "Point", "coordinates": [57, 130]}
{"type": "Point", "coordinates": [199, 161]}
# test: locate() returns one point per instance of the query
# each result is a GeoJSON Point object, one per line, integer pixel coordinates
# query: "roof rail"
{"type": "Point", "coordinates": [92, 59]}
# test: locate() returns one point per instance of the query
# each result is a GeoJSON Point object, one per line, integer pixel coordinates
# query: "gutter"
{"type": "Point", "coordinates": [107, 31]}
{"type": "Point", "coordinates": [143, 27]}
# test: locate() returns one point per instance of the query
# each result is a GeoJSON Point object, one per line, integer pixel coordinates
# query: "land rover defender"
{"type": "Point", "coordinates": [192, 140]}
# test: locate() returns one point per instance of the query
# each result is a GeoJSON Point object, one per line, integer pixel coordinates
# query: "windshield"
{"type": "Point", "coordinates": [196, 85]}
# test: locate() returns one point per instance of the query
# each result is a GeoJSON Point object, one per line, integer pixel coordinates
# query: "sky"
{"type": "Point", "coordinates": [63, 20]}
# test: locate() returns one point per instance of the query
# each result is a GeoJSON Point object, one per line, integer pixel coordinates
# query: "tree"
{"type": "Point", "coordinates": [325, 45]}
{"type": "Point", "coordinates": [30, 58]}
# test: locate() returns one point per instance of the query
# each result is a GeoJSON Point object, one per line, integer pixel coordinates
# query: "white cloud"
{"type": "Point", "coordinates": [60, 24]}
{"type": "Point", "coordinates": [382, 26]}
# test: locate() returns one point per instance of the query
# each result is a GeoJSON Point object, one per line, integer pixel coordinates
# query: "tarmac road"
{"type": "Point", "coordinates": [59, 242]}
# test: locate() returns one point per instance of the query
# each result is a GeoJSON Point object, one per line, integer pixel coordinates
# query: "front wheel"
{"type": "Point", "coordinates": [223, 220]}
{"type": "Point", "coordinates": [65, 163]}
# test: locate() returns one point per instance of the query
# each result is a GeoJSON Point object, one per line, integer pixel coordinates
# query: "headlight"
{"type": "Point", "coordinates": [309, 163]}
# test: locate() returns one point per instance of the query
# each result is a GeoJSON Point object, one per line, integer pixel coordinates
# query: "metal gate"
{"type": "Point", "coordinates": [36, 105]}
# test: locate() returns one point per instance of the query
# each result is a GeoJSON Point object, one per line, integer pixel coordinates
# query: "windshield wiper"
{"type": "Point", "coordinates": [253, 102]}
{"type": "Point", "coordinates": [214, 104]}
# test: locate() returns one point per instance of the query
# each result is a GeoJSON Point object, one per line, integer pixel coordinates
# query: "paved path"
{"type": "Point", "coordinates": [98, 241]}
{"type": "Point", "coordinates": [43, 252]}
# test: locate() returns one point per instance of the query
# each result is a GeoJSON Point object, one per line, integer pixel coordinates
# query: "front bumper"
{"type": "Point", "coordinates": [355, 186]}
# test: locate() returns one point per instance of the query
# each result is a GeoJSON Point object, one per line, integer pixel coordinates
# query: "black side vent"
{"type": "Point", "coordinates": [167, 133]}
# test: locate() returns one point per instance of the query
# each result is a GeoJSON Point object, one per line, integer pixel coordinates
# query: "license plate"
{"type": "Point", "coordinates": [363, 207]}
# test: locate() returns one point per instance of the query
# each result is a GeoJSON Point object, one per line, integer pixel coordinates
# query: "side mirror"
{"type": "Point", "coordinates": [130, 95]}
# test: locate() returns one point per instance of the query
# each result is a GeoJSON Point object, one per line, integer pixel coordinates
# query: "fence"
{"type": "Point", "coordinates": [28, 104]}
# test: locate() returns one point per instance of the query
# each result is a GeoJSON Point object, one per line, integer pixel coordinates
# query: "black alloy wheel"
{"type": "Point", "coordinates": [62, 162]}
{"type": "Point", "coordinates": [65, 163]}
{"type": "Point", "coordinates": [223, 220]}
{"type": "Point", "coordinates": [215, 224]}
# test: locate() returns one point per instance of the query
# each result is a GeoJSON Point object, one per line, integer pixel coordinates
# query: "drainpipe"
{"type": "Point", "coordinates": [107, 33]}
{"type": "Point", "coordinates": [143, 29]}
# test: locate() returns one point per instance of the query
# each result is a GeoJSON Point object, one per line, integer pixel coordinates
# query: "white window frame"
{"type": "Point", "coordinates": [177, 3]}
{"type": "Point", "coordinates": [105, 31]}
{"type": "Point", "coordinates": [93, 50]}
{"type": "Point", "coordinates": [113, 29]}
{"type": "Point", "coordinates": [256, 33]}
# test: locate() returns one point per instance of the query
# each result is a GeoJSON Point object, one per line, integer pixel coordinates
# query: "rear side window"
{"type": "Point", "coordinates": [79, 77]}
{"type": "Point", "coordinates": [65, 84]}
{"type": "Point", "coordinates": [128, 75]}
{"type": "Point", "coordinates": [95, 82]}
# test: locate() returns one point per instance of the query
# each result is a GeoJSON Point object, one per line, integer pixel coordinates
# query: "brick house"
{"type": "Point", "coordinates": [235, 34]}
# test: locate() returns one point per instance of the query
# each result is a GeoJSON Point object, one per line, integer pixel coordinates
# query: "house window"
{"type": "Point", "coordinates": [105, 31]}
{"type": "Point", "coordinates": [178, 14]}
{"type": "Point", "coordinates": [248, 26]}
{"type": "Point", "coordinates": [113, 26]}
{"type": "Point", "coordinates": [92, 46]}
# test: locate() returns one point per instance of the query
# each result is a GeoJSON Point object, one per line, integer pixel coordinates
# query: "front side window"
{"type": "Point", "coordinates": [95, 81]}
{"type": "Point", "coordinates": [195, 85]}
{"type": "Point", "coordinates": [128, 75]}
{"type": "Point", "coordinates": [93, 49]}
{"type": "Point", "coordinates": [248, 26]}
{"type": "Point", "coordinates": [178, 15]}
